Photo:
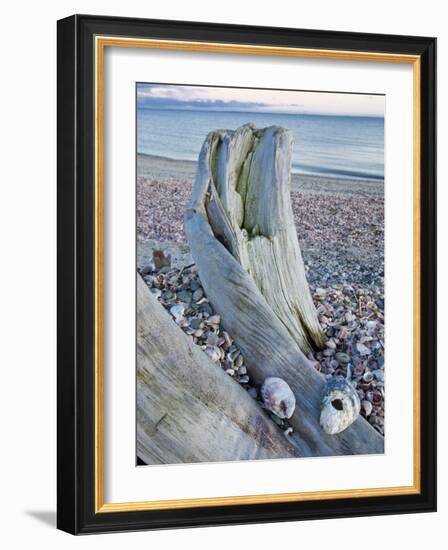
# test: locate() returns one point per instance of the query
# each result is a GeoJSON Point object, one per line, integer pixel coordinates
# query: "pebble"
{"type": "Point", "coordinates": [156, 292]}
{"type": "Point", "coordinates": [342, 358]}
{"type": "Point", "coordinates": [362, 349]}
{"type": "Point", "coordinates": [206, 308]}
{"type": "Point", "coordinates": [196, 323]}
{"type": "Point", "coordinates": [198, 294]}
{"type": "Point", "coordinates": [214, 319]}
{"type": "Point", "coordinates": [184, 296]}
{"type": "Point", "coordinates": [379, 375]}
{"type": "Point", "coordinates": [177, 310]}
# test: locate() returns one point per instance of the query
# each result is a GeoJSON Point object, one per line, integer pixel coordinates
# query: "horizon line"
{"type": "Point", "coordinates": [146, 108]}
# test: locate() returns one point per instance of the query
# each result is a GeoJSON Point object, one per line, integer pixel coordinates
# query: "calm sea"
{"type": "Point", "coordinates": [334, 146]}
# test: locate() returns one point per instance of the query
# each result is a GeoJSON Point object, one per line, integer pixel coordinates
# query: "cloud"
{"type": "Point", "coordinates": [165, 96]}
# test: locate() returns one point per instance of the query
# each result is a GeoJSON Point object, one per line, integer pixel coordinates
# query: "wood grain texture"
{"type": "Point", "coordinates": [188, 409]}
{"type": "Point", "coordinates": [268, 346]}
{"type": "Point", "coordinates": [249, 207]}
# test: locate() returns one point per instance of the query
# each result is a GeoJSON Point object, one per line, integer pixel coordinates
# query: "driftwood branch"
{"type": "Point", "coordinates": [188, 409]}
{"type": "Point", "coordinates": [241, 234]}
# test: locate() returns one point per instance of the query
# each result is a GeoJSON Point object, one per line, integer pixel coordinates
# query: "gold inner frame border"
{"type": "Point", "coordinates": [100, 44]}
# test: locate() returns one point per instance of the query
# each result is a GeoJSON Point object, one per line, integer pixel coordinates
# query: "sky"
{"type": "Point", "coordinates": [206, 98]}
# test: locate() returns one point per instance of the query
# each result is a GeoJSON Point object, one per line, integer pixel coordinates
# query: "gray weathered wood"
{"type": "Point", "coordinates": [233, 282]}
{"type": "Point", "coordinates": [188, 409]}
{"type": "Point", "coordinates": [250, 208]}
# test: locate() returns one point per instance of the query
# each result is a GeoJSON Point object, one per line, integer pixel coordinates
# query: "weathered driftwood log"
{"type": "Point", "coordinates": [240, 230]}
{"type": "Point", "coordinates": [250, 208]}
{"type": "Point", "coordinates": [188, 409]}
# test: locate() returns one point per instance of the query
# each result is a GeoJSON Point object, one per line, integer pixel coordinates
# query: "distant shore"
{"type": "Point", "coordinates": [161, 168]}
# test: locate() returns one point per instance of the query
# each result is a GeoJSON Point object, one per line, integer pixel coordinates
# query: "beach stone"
{"type": "Point", "coordinates": [367, 406]}
{"type": "Point", "coordinates": [184, 296]}
{"type": "Point", "coordinates": [167, 295]}
{"type": "Point", "coordinates": [195, 323]}
{"type": "Point", "coordinates": [342, 358]}
{"type": "Point", "coordinates": [177, 311]}
{"type": "Point", "coordinates": [197, 294]}
{"type": "Point", "coordinates": [206, 308]}
{"type": "Point", "coordinates": [362, 349]}
{"type": "Point", "coordinates": [379, 375]}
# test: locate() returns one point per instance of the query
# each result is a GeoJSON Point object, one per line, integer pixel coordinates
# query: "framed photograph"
{"type": "Point", "coordinates": [246, 274]}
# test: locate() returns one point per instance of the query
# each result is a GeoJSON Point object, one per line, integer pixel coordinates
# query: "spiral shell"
{"type": "Point", "coordinates": [278, 397]}
{"type": "Point", "coordinates": [340, 406]}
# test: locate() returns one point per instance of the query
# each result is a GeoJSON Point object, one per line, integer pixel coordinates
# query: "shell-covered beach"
{"type": "Point", "coordinates": [340, 226]}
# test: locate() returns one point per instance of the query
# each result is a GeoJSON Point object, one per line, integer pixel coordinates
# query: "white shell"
{"type": "Point", "coordinates": [340, 406]}
{"type": "Point", "coordinates": [278, 397]}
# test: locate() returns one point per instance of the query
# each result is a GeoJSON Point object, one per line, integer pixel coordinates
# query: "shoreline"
{"type": "Point", "coordinates": [161, 168]}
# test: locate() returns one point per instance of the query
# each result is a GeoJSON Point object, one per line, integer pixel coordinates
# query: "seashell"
{"type": "Point", "coordinates": [379, 375]}
{"type": "Point", "coordinates": [320, 294]}
{"type": "Point", "coordinates": [278, 397]}
{"type": "Point", "coordinates": [214, 319]}
{"type": "Point", "coordinates": [177, 311]}
{"type": "Point", "coordinates": [362, 349]}
{"type": "Point", "coordinates": [227, 339]}
{"type": "Point", "coordinates": [331, 344]}
{"type": "Point", "coordinates": [368, 376]}
{"type": "Point", "coordinates": [156, 292]}
{"type": "Point", "coordinates": [234, 354]}
{"type": "Point", "coordinates": [212, 339]}
{"type": "Point", "coordinates": [367, 406]}
{"type": "Point", "coordinates": [214, 353]}
{"type": "Point", "coordinates": [340, 405]}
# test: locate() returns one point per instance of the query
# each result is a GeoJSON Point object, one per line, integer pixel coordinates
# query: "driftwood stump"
{"type": "Point", "coordinates": [241, 232]}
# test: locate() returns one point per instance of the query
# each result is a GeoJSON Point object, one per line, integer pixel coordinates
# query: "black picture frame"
{"type": "Point", "coordinates": [76, 254]}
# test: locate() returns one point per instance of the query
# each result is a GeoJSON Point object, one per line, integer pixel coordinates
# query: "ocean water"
{"type": "Point", "coordinates": [336, 146]}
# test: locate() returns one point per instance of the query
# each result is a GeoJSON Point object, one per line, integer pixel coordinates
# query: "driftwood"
{"type": "Point", "coordinates": [188, 409]}
{"type": "Point", "coordinates": [250, 209]}
{"type": "Point", "coordinates": [241, 234]}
